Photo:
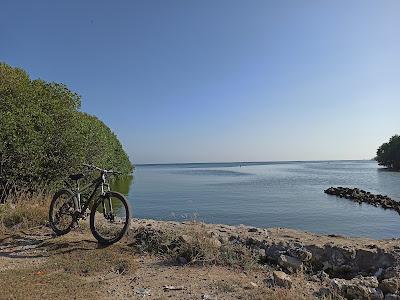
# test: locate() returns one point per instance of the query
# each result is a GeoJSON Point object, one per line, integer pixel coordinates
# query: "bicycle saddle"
{"type": "Point", "coordinates": [76, 176]}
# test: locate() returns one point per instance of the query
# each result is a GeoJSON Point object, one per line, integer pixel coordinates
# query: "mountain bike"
{"type": "Point", "coordinates": [109, 210]}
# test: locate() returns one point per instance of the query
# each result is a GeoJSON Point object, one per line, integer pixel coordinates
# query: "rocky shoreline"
{"type": "Point", "coordinates": [361, 196]}
{"type": "Point", "coordinates": [351, 268]}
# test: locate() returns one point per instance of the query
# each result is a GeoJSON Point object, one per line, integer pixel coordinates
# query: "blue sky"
{"type": "Point", "coordinates": [200, 81]}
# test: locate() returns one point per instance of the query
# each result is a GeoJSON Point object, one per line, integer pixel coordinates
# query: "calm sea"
{"type": "Point", "coordinates": [276, 194]}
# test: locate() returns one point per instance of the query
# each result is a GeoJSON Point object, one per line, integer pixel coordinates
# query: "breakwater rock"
{"type": "Point", "coordinates": [361, 196]}
{"type": "Point", "coordinates": [352, 268]}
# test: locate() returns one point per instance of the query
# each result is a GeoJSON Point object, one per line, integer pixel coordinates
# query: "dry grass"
{"type": "Point", "coordinates": [239, 288]}
{"type": "Point", "coordinates": [195, 245]}
{"type": "Point", "coordinates": [69, 268]}
{"type": "Point", "coordinates": [24, 210]}
{"type": "Point", "coordinates": [275, 294]}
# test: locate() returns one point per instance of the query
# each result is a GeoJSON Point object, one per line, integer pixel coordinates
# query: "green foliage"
{"type": "Point", "coordinates": [44, 137]}
{"type": "Point", "coordinates": [388, 154]}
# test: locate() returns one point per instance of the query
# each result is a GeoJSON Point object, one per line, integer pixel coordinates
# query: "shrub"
{"type": "Point", "coordinates": [44, 135]}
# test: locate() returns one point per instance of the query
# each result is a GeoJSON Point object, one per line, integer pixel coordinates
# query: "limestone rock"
{"type": "Point", "coordinates": [357, 288]}
{"type": "Point", "coordinates": [392, 272]}
{"type": "Point", "coordinates": [215, 242]}
{"type": "Point", "coordinates": [392, 297]}
{"type": "Point", "coordinates": [389, 286]}
{"type": "Point", "coordinates": [300, 253]}
{"type": "Point", "coordinates": [282, 279]}
{"type": "Point", "coordinates": [290, 263]}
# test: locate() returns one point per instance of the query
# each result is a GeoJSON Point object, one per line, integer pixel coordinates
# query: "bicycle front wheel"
{"type": "Point", "coordinates": [109, 218]}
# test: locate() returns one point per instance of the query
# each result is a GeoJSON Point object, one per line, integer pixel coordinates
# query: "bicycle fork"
{"type": "Point", "coordinates": [107, 215]}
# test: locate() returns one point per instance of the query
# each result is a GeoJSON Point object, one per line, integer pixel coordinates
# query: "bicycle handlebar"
{"type": "Point", "coordinates": [101, 170]}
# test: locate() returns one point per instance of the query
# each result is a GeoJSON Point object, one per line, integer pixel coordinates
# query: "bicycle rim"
{"type": "Point", "coordinates": [109, 218]}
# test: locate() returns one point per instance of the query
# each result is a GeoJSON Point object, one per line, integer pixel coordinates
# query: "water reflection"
{"type": "Point", "coordinates": [122, 184]}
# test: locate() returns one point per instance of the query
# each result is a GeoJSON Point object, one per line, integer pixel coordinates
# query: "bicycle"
{"type": "Point", "coordinates": [109, 212]}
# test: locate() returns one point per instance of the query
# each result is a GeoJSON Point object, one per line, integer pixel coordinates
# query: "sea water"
{"type": "Point", "coordinates": [270, 194]}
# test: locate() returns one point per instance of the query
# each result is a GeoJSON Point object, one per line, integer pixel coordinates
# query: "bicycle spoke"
{"type": "Point", "coordinates": [110, 218]}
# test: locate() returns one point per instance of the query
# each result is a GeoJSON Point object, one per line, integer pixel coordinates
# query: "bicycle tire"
{"type": "Point", "coordinates": [52, 222]}
{"type": "Point", "coordinates": [99, 237]}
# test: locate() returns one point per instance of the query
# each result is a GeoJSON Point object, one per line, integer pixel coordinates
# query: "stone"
{"type": "Point", "coordinates": [300, 253]}
{"type": "Point", "coordinates": [391, 272]}
{"type": "Point", "coordinates": [261, 253]}
{"type": "Point", "coordinates": [369, 281]}
{"type": "Point", "coordinates": [378, 273]}
{"type": "Point", "coordinates": [323, 276]}
{"type": "Point", "coordinates": [290, 263]}
{"type": "Point", "coordinates": [142, 292]}
{"type": "Point", "coordinates": [224, 239]}
{"type": "Point", "coordinates": [360, 196]}
{"type": "Point", "coordinates": [324, 293]}
{"type": "Point", "coordinates": [389, 286]}
{"type": "Point", "coordinates": [282, 279]}
{"type": "Point", "coordinates": [215, 242]}
{"type": "Point", "coordinates": [275, 250]}
{"type": "Point", "coordinates": [173, 288]}
{"type": "Point", "coordinates": [208, 297]}
{"type": "Point", "coordinates": [392, 297]}
{"type": "Point", "coordinates": [357, 288]}
{"type": "Point", "coordinates": [377, 295]}
{"type": "Point", "coordinates": [182, 260]}
{"type": "Point", "coordinates": [186, 238]}
{"type": "Point", "coordinates": [253, 284]}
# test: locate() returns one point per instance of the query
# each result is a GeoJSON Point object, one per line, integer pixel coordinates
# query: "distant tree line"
{"type": "Point", "coordinates": [43, 135]}
{"type": "Point", "coordinates": [388, 154]}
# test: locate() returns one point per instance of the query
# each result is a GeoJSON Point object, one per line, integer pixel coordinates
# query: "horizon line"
{"type": "Point", "coordinates": [248, 162]}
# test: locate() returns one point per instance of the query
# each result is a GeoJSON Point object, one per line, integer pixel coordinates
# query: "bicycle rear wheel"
{"type": "Point", "coordinates": [61, 212]}
{"type": "Point", "coordinates": [109, 218]}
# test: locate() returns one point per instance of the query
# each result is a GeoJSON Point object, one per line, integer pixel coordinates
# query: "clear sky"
{"type": "Point", "coordinates": [200, 81]}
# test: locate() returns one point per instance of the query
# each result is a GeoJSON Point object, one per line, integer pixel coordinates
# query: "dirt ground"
{"type": "Point", "coordinates": [34, 264]}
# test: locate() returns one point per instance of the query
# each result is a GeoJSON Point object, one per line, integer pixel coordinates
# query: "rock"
{"type": "Point", "coordinates": [252, 241]}
{"type": "Point", "coordinates": [300, 253]}
{"type": "Point", "coordinates": [290, 263]}
{"type": "Point", "coordinates": [182, 260]}
{"type": "Point", "coordinates": [361, 196]}
{"type": "Point", "coordinates": [253, 284]}
{"type": "Point", "coordinates": [142, 292]}
{"type": "Point", "coordinates": [208, 297]}
{"type": "Point", "coordinates": [378, 273]}
{"type": "Point", "coordinates": [215, 242]}
{"type": "Point", "coordinates": [392, 272]}
{"type": "Point", "coordinates": [253, 229]}
{"type": "Point", "coordinates": [369, 281]}
{"type": "Point", "coordinates": [323, 276]}
{"type": "Point", "coordinates": [275, 250]}
{"type": "Point", "coordinates": [392, 297]}
{"type": "Point", "coordinates": [262, 253]}
{"type": "Point", "coordinates": [282, 279]}
{"type": "Point", "coordinates": [389, 286]}
{"type": "Point", "coordinates": [324, 293]}
{"type": "Point", "coordinates": [377, 295]}
{"type": "Point", "coordinates": [186, 238]}
{"type": "Point", "coordinates": [173, 288]}
{"type": "Point", "coordinates": [326, 265]}
{"type": "Point", "coordinates": [224, 239]}
{"type": "Point", "coordinates": [357, 288]}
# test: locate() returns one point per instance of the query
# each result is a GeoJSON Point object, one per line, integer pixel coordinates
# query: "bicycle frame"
{"type": "Point", "coordinates": [98, 182]}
